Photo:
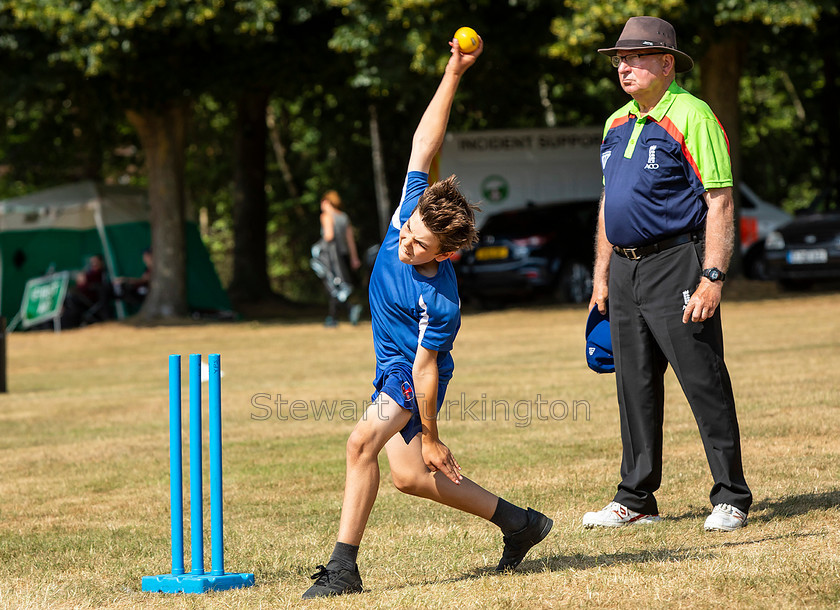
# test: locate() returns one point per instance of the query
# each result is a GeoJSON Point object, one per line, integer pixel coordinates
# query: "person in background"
{"type": "Point", "coordinates": [133, 290]}
{"type": "Point", "coordinates": [337, 231]}
{"type": "Point", "coordinates": [89, 298]}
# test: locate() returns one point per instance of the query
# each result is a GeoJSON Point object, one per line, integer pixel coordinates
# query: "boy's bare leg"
{"type": "Point", "coordinates": [522, 529]}
{"type": "Point", "coordinates": [382, 420]}
{"type": "Point", "coordinates": [411, 476]}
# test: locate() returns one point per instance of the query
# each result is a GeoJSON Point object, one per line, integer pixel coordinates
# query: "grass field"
{"type": "Point", "coordinates": [84, 468]}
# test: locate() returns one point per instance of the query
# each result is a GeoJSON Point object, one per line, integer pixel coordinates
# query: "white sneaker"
{"type": "Point", "coordinates": [616, 515]}
{"type": "Point", "coordinates": [725, 518]}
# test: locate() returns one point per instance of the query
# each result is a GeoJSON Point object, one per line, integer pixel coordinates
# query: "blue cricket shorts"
{"type": "Point", "coordinates": [397, 383]}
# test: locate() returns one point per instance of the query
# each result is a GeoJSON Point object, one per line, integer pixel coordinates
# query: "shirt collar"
{"type": "Point", "coordinates": [661, 109]}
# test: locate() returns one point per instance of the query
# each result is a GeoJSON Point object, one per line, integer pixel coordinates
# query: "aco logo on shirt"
{"type": "Point", "coordinates": [651, 162]}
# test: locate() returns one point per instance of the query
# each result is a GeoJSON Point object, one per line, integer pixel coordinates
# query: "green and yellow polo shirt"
{"type": "Point", "coordinates": [657, 167]}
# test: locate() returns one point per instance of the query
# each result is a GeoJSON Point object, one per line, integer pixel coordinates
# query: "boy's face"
{"type": "Point", "coordinates": [418, 245]}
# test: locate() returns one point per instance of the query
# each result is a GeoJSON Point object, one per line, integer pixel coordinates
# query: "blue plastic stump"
{"type": "Point", "coordinates": [197, 581]}
{"type": "Point", "coordinates": [176, 485]}
{"type": "Point", "coordinates": [196, 489]}
{"type": "Point", "coordinates": [217, 536]}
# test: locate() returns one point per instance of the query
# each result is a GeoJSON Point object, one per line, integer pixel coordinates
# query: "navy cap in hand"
{"type": "Point", "coordinates": [599, 354]}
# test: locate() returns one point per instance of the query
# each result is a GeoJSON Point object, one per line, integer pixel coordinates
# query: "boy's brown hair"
{"type": "Point", "coordinates": [447, 214]}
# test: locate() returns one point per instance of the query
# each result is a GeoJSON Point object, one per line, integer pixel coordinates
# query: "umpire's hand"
{"type": "Point", "coordinates": [704, 302]}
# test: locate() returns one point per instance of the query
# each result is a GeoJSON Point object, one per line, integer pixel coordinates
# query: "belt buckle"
{"type": "Point", "coordinates": [631, 253]}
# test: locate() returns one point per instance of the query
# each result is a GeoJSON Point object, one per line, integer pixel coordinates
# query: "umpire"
{"type": "Point", "coordinates": [665, 237]}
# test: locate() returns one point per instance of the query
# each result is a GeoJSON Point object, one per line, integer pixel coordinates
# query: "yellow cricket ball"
{"type": "Point", "coordinates": [467, 39]}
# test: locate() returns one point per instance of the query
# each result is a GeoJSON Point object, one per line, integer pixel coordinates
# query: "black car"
{"type": "Point", "coordinates": [807, 249]}
{"type": "Point", "coordinates": [546, 249]}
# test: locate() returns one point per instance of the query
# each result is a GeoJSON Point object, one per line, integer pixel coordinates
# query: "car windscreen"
{"type": "Point", "coordinates": [542, 220]}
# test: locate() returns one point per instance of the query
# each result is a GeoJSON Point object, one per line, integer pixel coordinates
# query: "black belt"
{"type": "Point", "coordinates": [635, 254]}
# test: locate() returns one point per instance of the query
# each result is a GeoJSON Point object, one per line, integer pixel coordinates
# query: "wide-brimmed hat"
{"type": "Point", "coordinates": [650, 33]}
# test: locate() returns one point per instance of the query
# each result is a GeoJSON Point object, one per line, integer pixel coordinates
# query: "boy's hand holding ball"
{"type": "Point", "coordinates": [468, 39]}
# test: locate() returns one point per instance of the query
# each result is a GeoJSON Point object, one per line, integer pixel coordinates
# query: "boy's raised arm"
{"type": "Point", "coordinates": [428, 137]}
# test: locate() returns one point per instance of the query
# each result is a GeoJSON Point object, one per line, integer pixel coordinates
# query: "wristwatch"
{"type": "Point", "coordinates": [714, 274]}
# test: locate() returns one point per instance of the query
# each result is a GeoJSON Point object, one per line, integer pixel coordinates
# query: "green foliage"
{"type": "Point", "coordinates": [587, 25]}
{"type": "Point", "coordinates": [58, 125]}
{"type": "Point", "coordinates": [768, 12]}
{"type": "Point", "coordinates": [381, 35]}
{"type": "Point", "coordinates": [784, 131]}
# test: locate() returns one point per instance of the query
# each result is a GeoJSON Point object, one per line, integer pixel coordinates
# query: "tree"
{"type": "Point", "coordinates": [250, 208]}
{"type": "Point", "coordinates": [158, 57]}
{"type": "Point", "coordinates": [257, 68]}
{"type": "Point", "coordinates": [56, 122]}
{"type": "Point", "coordinates": [790, 126]}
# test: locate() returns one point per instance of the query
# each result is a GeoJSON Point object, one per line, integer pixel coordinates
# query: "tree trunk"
{"type": "Point", "coordinates": [90, 141]}
{"type": "Point", "coordinates": [162, 135]}
{"type": "Point", "coordinates": [383, 203]}
{"type": "Point", "coordinates": [720, 71]}
{"type": "Point", "coordinates": [280, 152]}
{"type": "Point", "coordinates": [250, 208]}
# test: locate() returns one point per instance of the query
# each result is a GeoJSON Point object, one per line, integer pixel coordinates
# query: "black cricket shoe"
{"type": "Point", "coordinates": [519, 543]}
{"type": "Point", "coordinates": [336, 581]}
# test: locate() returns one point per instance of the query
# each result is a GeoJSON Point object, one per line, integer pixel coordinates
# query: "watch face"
{"type": "Point", "coordinates": [713, 274]}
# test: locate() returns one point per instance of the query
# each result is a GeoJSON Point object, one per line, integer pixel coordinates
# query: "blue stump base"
{"type": "Point", "coordinates": [196, 583]}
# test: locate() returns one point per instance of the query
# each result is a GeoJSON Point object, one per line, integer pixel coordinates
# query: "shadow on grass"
{"type": "Point", "coordinates": [769, 509]}
{"type": "Point", "coordinates": [789, 506]}
{"type": "Point", "coordinates": [580, 561]}
{"type": "Point", "coordinates": [584, 562]}
{"type": "Point", "coordinates": [762, 511]}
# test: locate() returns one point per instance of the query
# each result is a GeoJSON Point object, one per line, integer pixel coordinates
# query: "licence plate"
{"type": "Point", "coordinates": [807, 257]}
{"type": "Point", "coordinates": [491, 253]}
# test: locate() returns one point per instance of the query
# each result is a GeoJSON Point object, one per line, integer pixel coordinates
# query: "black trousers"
{"type": "Point", "coordinates": [647, 299]}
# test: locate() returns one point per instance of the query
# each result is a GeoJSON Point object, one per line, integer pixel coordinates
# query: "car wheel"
{"type": "Point", "coordinates": [755, 267]}
{"type": "Point", "coordinates": [575, 283]}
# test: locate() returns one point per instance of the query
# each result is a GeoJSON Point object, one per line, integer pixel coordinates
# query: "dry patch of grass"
{"type": "Point", "coordinates": [84, 459]}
